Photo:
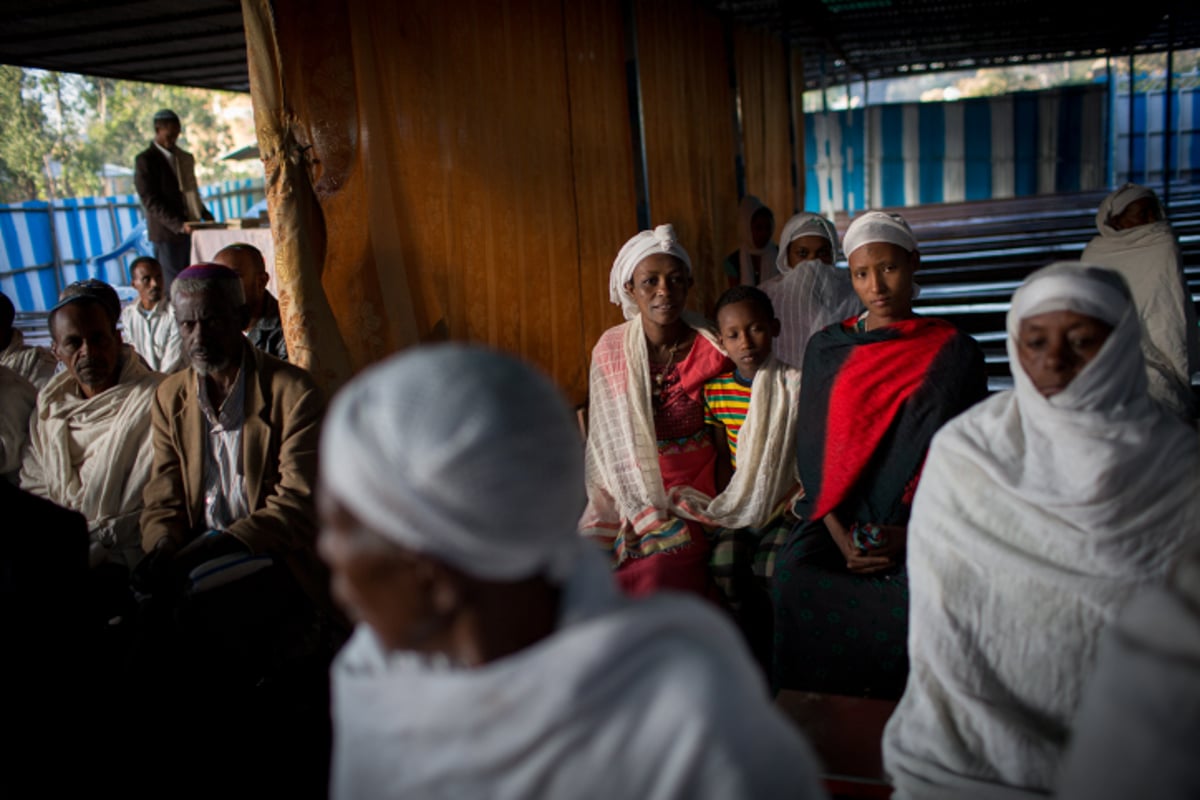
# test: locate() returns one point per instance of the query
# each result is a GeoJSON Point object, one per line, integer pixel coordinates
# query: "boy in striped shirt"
{"type": "Point", "coordinates": [746, 325]}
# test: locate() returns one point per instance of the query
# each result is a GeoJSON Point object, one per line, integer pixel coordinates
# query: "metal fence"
{"type": "Point", "coordinates": [47, 246]}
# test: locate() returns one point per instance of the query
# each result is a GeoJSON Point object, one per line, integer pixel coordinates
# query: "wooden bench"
{"type": "Point", "coordinates": [847, 735]}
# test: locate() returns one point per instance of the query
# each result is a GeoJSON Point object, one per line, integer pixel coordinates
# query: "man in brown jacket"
{"type": "Point", "coordinates": [237, 631]}
{"type": "Point", "coordinates": [229, 522]}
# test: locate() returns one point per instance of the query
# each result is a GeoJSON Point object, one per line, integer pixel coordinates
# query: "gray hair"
{"type": "Point", "coordinates": [229, 291]}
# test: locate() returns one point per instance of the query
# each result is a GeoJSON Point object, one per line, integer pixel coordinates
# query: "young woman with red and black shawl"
{"type": "Point", "coordinates": [874, 391]}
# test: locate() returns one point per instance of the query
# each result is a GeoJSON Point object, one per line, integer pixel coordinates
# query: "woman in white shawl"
{"type": "Point", "coordinates": [754, 260]}
{"type": "Point", "coordinates": [1137, 241]}
{"type": "Point", "coordinates": [646, 430]}
{"type": "Point", "coordinates": [809, 292]}
{"type": "Point", "coordinates": [494, 656]}
{"type": "Point", "coordinates": [1040, 512]}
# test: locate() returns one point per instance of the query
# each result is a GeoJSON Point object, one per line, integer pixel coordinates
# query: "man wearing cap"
{"type": "Point", "coordinates": [235, 448]}
{"type": "Point", "coordinates": [34, 364]}
{"type": "Point", "coordinates": [166, 183]}
{"type": "Point", "coordinates": [17, 399]}
{"type": "Point", "coordinates": [89, 439]}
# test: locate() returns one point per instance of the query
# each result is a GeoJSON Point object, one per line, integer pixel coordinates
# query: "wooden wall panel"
{"type": "Point", "coordinates": [762, 83]}
{"type": "Point", "coordinates": [602, 146]}
{"type": "Point", "coordinates": [474, 165]}
{"type": "Point", "coordinates": [453, 211]}
{"type": "Point", "coordinates": [690, 149]}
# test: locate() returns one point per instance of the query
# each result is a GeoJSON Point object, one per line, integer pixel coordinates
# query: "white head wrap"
{"type": "Point", "coordinates": [1121, 199]}
{"type": "Point", "coordinates": [878, 226]}
{"type": "Point", "coordinates": [1117, 374]}
{"type": "Point", "coordinates": [464, 454]}
{"type": "Point", "coordinates": [660, 240]}
{"type": "Point", "coordinates": [804, 224]}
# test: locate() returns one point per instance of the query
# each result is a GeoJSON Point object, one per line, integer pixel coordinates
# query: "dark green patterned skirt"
{"type": "Point", "coordinates": [836, 632]}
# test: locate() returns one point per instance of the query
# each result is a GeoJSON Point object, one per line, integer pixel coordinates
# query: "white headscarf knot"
{"type": "Point", "coordinates": [660, 240]}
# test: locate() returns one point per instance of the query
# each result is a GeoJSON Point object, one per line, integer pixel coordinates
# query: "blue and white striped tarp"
{"type": "Point", "coordinates": [1149, 116]}
{"type": "Point", "coordinates": [84, 228]}
{"type": "Point", "coordinates": [981, 148]}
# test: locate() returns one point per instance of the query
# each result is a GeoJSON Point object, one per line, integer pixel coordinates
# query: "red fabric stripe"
{"type": "Point", "coordinates": [867, 394]}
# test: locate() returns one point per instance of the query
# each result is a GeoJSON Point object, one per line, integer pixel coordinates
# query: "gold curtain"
{"type": "Point", "coordinates": [297, 226]}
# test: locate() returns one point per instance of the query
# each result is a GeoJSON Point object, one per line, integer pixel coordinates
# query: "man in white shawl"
{"type": "Point", "coordinates": [1137, 241]}
{"type": "Point", "coordinates": [34, 364]}
{"type": "Point", "coordinates": [17, 399]}
{"type": "Point", "coordinates": [494, 656]}
{"type": "Point", "coordinates": [89, 440]}
{"type": "Point", "coordinates": [809, 292]}
{"type": "Point", "coordinates": [754, 260]}
{"type": "Point", "coordinates": [1041, 511]}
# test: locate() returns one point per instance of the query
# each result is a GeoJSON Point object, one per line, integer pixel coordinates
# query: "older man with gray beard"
{"type": "Point", "coordinates": [236, 607]}
{"type": "Point", "coordinates": [235, 443]}
{"type": "Point", "coordinates": [229, 522]}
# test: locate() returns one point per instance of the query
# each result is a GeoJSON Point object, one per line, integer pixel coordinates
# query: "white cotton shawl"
{"type": "Point", "coordinates": [94, 455]}
{"type": "Point", "coordinates": [624, 483]}
{"type": "Point", "coordinates": [1036, 519]}
{"type": "Point", "coordinates": [654, 699]}
{"type": "Point", "coordinates": [768, 254]}
{"type": "Point", "coordinates": [34, 364]}
{"type": "Point", "coordinates": [807, 299]}
{"type": "Point", "coordinates": [1137, 729]}
{"type": "Point", "coordinates": [17, 400]}
{"type": "Point", "coordinates": [766, 455]}
{"type": "Point", "coordinates": [1148, 258]}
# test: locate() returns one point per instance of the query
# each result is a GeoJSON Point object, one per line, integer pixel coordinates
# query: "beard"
{"type": "Point", "coordinates": [208, 363]}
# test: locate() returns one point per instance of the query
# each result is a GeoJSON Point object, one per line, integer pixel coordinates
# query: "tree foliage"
{"type": "Point", "coordinates": [58, 129]}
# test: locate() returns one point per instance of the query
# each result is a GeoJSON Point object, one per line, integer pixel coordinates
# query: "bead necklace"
{"type": "Point", "coordinates": [656, 391]}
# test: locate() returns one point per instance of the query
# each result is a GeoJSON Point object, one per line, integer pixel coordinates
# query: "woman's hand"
{"type": "Point", "coordinates": [887, 555]}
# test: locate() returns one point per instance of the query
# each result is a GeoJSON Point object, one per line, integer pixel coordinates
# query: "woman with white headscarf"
{"type": "Point", "coordinates": [1040, 513]}
{"type": "Point", "coordinates": [809, 292]}
{"type": "Point", "coordinates": [646, 429]}
{"type": "Point", "coordinates": [1137, 241]}
{"type": "Point", "coordinates": [494, 656]}
{"type": "Point", "coordinates": [873, 392]}
{"type": "Point", "coordinates": [754, 260]}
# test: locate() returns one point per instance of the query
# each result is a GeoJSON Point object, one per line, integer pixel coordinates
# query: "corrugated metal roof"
{"type": "Point", "coordinates": [185, 42]}
{"type": "Point", "coordinates": [201, 42]}
{"type": "Point", "coordinates": [885, 38]}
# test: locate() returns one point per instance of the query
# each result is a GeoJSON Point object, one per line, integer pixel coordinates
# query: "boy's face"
{"type": "Point", "coordinates": [746, 332]}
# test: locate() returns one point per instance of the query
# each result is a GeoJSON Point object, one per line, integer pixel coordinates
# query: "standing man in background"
{"type": "Point", "coordinates": [166, 183]}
